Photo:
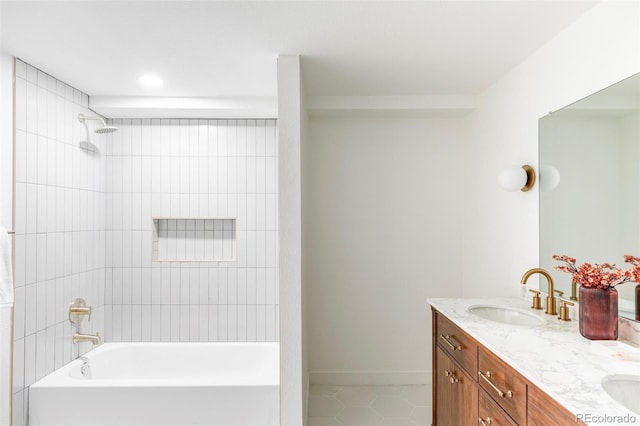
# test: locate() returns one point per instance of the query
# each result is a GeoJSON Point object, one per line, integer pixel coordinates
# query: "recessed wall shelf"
{"type": "Point", "coordinates": [194, 240]}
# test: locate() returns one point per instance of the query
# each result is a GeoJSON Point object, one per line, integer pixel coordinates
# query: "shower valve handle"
{"type": "Point", "coordinates": [78, 309]}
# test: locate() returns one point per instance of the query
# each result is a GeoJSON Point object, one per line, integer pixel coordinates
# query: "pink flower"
{"type": "Point", "coordinates": [603, 275]}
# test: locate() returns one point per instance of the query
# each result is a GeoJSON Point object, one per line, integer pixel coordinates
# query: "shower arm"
{"type": "Point", "coordinates": [82, 118]}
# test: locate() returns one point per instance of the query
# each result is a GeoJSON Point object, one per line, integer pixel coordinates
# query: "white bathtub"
{"type": "Point", "coordinates": [178, 384]}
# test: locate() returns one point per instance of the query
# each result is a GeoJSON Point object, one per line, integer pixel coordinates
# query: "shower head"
{"type": "Point", "coordinates": [103, 129]}
{"type": "Point", "coordinates": [106, 129]}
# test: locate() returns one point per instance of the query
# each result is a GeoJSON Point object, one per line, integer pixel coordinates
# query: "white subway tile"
{"type": "Point", "coordinates": [156, 323]}
{"type": "Point", "coordinates": [136, 174]}
{"type": "Point", "coordinates": [18, 364]}
{"type": "Point", "coordinates": [185, 286]}
{"type": "Point", "coordinates": [213, 323]}
{"type": "Point", "coordinates": [261, 290]}
{"type": "Point", "coordinates": [127, 291]}
{"type": "Point", "coordinates": [41, 257]}
{"type": "Point", "coordinates": [29, 360]}
{"type": "Point", "coordinates": [52, 116]}
{"type": "Point", "coordinates": [50, 288]}
{"type": "Point", "coordinates": [136, 285]}
{"type": "Point", "coordinates": [145, 140]}
{"type": "Point", "coordinates": [20, 307]}
{"type": "Point", "coordinates": [136, 323]}
{"type": "Point", "coordinates": [175, 323]}
{"type": "Point", "coordinates": [41, 354]}
{"type": "Point", "coordinates": [59, 346]}
{"type": "Point", "coordinates": [61, 118]}
{"type": "Point", "coordinates": [116, 323]}
{"type": "Point", "coordinates": [251, 138]}
{"type": "Point", "coordinates": [32, 108]}
{"type": "Point", "coordinates": [223, 321]}
{"type": "Point", "coordinates": [232, 323]}
{"type": "Point", "coordinates": [252, 323]}
{"type": "Point", "coordinates": [50, 349]}
{"type": "Point", "coordinates": [252, 286]}
{"type": "Point", "coordinates": [146, 322]}
{"type": "Point", "coordinates": [42, 110]}
{"type": "Point", "coordinates": [271, 324]}
{"type": "Point", "coordinates": [261, 323]}
{"type": "Point", "coordinates": [203, 323]}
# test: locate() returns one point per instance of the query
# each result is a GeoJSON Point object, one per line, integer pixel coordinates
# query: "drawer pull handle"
{"type": "Point", "coordinates": [452, 376]}
{"type": "Point", "coordinates": [487, 377]}
{"type": "Point", "coordinates": [453, 347]}
{"type": "Point", "coordinates": [484, 422]}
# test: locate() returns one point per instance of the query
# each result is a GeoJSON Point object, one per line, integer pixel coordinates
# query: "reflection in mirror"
{"type": "Point", "coordinates": [590, 210]}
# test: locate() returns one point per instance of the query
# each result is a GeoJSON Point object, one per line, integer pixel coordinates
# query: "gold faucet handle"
{"type": "Point", "coordinates": [536, 303]}
{"type": "Point", "coordinates": [560, 293]}
{"type": "Point", "coordinates": [78, 309]}
{"type": "Point", "coordinates": [564, 310]}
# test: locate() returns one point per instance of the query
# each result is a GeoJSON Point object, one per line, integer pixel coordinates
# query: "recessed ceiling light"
{"type": "Point", "coordinates": [151, 80]}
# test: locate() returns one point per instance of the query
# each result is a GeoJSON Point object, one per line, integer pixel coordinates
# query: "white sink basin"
{"type": "Point", "coordinates": [624, 389]}
{"type": "Point", "coordinates": [505, 315]}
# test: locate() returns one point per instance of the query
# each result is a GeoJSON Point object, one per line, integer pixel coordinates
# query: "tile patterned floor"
{"type": "Point", "coordinates": [393, 405]}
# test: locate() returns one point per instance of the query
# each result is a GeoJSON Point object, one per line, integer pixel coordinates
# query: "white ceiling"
{"type": "Point", "coordinates": [229, 48]}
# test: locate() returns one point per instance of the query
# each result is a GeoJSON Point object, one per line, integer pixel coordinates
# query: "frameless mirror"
{"type": "Point", "coordinates": [590, 183]}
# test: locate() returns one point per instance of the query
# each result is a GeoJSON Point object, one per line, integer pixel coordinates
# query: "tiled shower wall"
{"type": "Point", "coordinates": [83, 223]}
{"type": "Point", "coordinates": [186, 169]}
{"type": "Point", "coordinates": [59, 223]}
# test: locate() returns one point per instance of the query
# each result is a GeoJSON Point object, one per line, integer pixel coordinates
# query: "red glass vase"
{"type": "Point", "coordinates": [638, 302]}
{"type": "Point", "coordinates": [598, 313]}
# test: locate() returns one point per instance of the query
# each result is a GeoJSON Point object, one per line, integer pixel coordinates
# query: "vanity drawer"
{"type": "Point", "coordinates": [457, 343]}
{"type": "Point", "coordinates": [490, 413]}
{"type": "Point", "coordinates": [507, 387]}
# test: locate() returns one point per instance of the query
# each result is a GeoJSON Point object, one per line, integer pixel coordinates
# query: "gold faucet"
{"type": "Point", "coordinates": [551, 300]}
{"type": "Point", "coordinates": [81, 337]}
{"type": "Point", "coordinates": [574, 295]}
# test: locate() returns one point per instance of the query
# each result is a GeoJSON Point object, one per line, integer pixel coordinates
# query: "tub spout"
{"type": "Point", "coordinates": [81, 337]}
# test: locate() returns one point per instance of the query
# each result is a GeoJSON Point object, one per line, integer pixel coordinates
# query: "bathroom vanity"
{"type": "Point", "coordinates": [492, 372]}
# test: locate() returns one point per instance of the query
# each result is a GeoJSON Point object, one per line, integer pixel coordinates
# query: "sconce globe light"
{"type": "Point", "coordinates": [517, 178]}
{"type": "Point", "coordinates": [549, 177]}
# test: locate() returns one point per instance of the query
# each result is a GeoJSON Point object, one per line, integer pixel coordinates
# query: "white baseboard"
{"type": "Point", "coordinates": [419, 377]}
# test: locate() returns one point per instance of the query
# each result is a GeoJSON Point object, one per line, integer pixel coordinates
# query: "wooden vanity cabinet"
{"type": "Point", "coordinates": [490, 413]}
{"type": "Point", "coordinates": [545, 411]}
{"type": "Point", "coordinates": [457, 396]}
{"type": "Point", "coordinates": [455, 362]}
{"type": "Point", "coordinates": [465, 395]}
{"type": "Point", "coordinates": [507, 387]}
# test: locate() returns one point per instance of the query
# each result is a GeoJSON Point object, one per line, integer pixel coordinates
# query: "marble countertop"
{"type": "Point", "coordinates": [553, 356]}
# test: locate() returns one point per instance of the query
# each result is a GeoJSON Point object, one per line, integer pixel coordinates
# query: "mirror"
{"type": "Point", "coordinates": [593, 212]}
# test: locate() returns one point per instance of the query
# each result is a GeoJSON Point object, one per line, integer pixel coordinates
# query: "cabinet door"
{"type": "Point", "coordinates": [456, 394]}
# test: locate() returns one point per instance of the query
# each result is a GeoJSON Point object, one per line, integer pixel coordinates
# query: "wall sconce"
{"type": "Point", "coordinates": [549, 177]}
{"type": "Point", "coordinates": [516, 178]}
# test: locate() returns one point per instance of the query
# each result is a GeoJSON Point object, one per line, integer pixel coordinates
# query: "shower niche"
{"type": "Point", "coordinates": [194, 240]}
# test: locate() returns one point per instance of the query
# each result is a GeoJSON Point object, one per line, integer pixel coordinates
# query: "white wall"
{"type": "Point", "coordinates": [290, 240]}
{"type": "Point", "coordinates": [192, 169]}
{"type": "Point", "coordinates": [501, 229]}
{"type": "Point", "coordinates": [383, 213]}
{"type": "Point", "coordinates": [59, 224]}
